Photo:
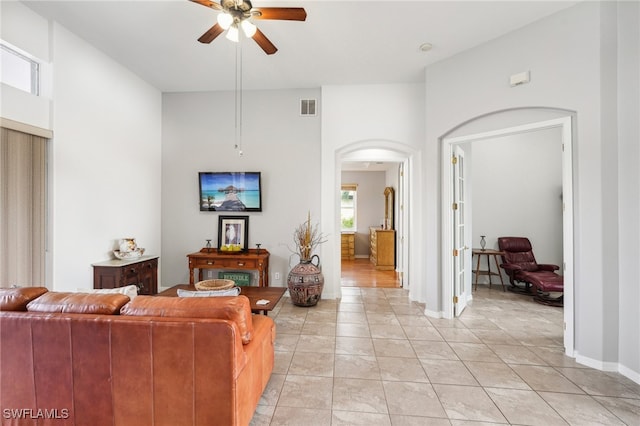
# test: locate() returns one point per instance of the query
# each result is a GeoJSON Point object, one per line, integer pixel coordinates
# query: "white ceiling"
{"type": "Point", "coordinates": [341, 42]}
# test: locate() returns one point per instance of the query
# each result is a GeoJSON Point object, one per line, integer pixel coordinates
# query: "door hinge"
{"type": "Point", "coordinates": [454, 160]}
{"type": "Point", "coordinates": [454, 206]}
{"type": "Point", "coordinates": [455, 299]}
{"type": "Point", "coordinates": [455, 252]}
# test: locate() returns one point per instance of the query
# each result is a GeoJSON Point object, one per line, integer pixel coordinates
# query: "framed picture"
{"type": "Point", "coordinates": [230, 191]}
{"type": "Point", "coordinates": [233, 233]}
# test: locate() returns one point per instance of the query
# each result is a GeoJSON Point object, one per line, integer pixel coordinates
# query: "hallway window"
{"type": "Point", "coordinates": [18, 70]}
{"type": "Point", "coordinates": [348, 203]}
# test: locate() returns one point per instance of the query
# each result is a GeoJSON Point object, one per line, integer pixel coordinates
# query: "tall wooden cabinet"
{"type": "Point", "coordinates": [382, 248]}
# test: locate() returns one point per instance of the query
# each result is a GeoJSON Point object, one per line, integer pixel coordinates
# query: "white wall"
{"type": "Point", "coordinates": [517, 189]}
{"type": "Point", "coordinates": [387, 117]}
{"type": "Point", "coordinates": [105, 162]}
{"type": "Point", "coordinates": [198, 135]}
{"type": "Point", "coordinates": [475, 83]}
{"type": "Point", "coordinates": [628, 106]}
{"type": "Point", "coordinates": [104, 158]}
{"type": "Point", "coordinates": [370, 208]}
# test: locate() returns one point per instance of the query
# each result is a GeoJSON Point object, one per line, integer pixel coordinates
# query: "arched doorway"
{"type": "Point", "coordinates": [370, 150]}
{"type": "Point", "coordinates": [487, 127]}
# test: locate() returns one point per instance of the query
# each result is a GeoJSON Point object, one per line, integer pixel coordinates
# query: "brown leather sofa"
{"type": "Point", "coordinates": [99, 359]}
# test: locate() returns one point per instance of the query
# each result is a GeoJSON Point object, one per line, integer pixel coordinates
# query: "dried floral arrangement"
{"type": "Point", "coordinates": [307, 237]}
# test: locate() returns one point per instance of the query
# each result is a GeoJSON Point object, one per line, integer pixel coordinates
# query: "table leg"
{"type": "Point", "coordinates": [191, 276]}
{"type": "Point", "coordinates": [477, 271]}
{"type": "Point", "coordinates": [495, 259]}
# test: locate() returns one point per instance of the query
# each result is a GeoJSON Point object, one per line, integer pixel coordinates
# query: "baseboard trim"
{"type": "Point", "coordinates": [433, 314]}
{"type": "Point", "coordinates": [630, 374]}
{"type": "Point", "coordinates": [608, 366]}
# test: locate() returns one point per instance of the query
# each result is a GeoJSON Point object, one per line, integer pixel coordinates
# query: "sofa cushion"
{"type": "Point", "coordinates": [233, 308]}
{"type": "Point", "coordinates": [131, 291]}
{"type": "Point", "coordinates": [78, 303]}
{"type": "Point", "coordinates": [16, 299]}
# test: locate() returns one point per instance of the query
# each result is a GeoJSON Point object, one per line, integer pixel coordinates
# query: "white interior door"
{"type": "Point", "coordinates": [399, 225]}
{"type": "Point", "coordinates": [461, 253]}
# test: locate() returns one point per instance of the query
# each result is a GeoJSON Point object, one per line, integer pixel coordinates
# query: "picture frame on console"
{"type": "Point", "coordinates": [233, 233]}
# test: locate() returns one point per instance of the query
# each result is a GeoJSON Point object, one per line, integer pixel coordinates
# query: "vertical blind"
{"type": "Point", "coordinates": [23, 200]}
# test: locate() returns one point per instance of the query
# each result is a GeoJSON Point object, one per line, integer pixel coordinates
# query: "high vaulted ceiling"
{"type": "Point", "coordinates": [341, 42]}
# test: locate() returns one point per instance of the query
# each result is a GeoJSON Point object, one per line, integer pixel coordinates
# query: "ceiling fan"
{"type": "Point", "coordinates": [236, 15]}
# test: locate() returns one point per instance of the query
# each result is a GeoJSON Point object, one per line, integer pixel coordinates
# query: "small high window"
{"type": "Point", "coordinates": [348, 204]}
{"type": "Point", "coordinates": [18, 70]}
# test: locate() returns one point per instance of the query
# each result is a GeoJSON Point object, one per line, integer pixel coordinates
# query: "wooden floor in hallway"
{"type": "Point", "coordinates": [362, 273]}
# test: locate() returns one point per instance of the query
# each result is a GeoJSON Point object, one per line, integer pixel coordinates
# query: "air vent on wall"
{"type": "Point", "coordinates": [307, 107]}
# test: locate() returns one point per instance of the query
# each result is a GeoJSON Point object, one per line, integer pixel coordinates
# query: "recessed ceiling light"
{"type": "Point", "coordinates": [425, 47]}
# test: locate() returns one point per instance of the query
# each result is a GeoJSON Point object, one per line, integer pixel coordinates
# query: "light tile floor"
{"type": "Point", "coordinates": [373, 358]}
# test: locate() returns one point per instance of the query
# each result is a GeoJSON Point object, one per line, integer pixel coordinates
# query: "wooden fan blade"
{"type": "Point", "coordinates": [210, 35]}
{"type": "Point", "coordinates": [208, 3]}
{"type": "Point", "coordinates": [281, 13]}
{"type": "Point", "coordinates": [264, 43]}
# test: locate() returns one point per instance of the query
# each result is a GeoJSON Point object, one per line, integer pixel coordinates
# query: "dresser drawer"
{"type": "Point", "coordinates": [206, 263]}
{"type": "Point", "coordinates": [240, 263]}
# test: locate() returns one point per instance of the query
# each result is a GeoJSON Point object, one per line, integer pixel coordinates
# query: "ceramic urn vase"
{"type": "Point", "coordinates": [305, 282]}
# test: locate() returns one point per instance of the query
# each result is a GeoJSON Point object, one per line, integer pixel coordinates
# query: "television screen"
{"type": "Point", "coordinates": [230, 191]}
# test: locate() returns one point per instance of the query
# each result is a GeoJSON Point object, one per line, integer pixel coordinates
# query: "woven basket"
{"type": "Point", "coordinates": [216, 284]}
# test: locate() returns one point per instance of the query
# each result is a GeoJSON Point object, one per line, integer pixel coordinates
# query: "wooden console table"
{"type": "Point", "coordinates": [254, 259]}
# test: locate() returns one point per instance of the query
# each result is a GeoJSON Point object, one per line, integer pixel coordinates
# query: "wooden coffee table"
{"type": "Point", "coordinates": [272, 294]}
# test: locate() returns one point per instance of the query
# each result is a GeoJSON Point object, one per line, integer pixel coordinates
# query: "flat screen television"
{"type": "Point", "coordinates": [230, 191]}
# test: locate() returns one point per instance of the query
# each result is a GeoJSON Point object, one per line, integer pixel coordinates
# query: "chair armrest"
{"type": "Point", "coordinates": [548, 267]}
{"type": "Point", "coordinates": [510, 267]}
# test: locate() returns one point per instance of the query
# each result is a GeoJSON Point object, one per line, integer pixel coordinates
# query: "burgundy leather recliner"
{"type": "Point", "coordinates": [520, 265]}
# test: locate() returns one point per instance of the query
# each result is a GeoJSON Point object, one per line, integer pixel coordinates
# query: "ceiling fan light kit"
{"type": "Point", "coordinates": [233, 34]}
{"type": "Point", "coordinates": [248, 28]}
{"type": "Point", "coordinates": [236, 13]}
{"type": "Point", "coordinates": [225, 20]}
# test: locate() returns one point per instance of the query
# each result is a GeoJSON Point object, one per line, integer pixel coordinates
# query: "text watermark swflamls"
{"type": "Point", "coordinates": [35, 413]}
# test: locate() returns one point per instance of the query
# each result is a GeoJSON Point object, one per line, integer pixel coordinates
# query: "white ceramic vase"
{"type": "Point", "coordinates": [128, 245]}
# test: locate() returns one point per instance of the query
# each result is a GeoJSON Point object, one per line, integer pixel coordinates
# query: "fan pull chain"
{"type": "Point", "coordinates": [238, 99]}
